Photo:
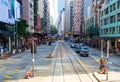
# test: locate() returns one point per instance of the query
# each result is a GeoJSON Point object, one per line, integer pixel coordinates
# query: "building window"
{"type": "Point", "coordinates": [118, 17]}
{"type": "Point", "coordinates": [111, 8]}
{"type": "Point", "coordinates": [102, 31]}
{"type": "Point", "coordinates": [114, 6]}
{"type": "Point", "coordinates": [102, 13]}
{"type": "Point", "coordinates": [112, 30]}
{"type": "Point", "coordinates": [119, 29]}
{"type": "Point", "coordinates": [105, 21]}
{"type": "Point", "coordinates": [112, 19]}
{"type": "Point", "coordinates": [107, 11]}
{"type": "Point", "coordinates": [101, 22]}
{"type": "Point", "coordinates": [107, 31]}
{"type": "Point", "coordinates": [118, 4]}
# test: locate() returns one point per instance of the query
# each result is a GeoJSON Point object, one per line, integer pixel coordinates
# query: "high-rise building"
{"type": "Point", "coordinates": [39, 22]}
{"type": "Point", "coordinates": [68, 16]}
{"type": "Point", "coordinates": [110, 24]}
{"type": "Point", "coordinates": [77, 17]}
{"type": "Point", "coordinates": [10, 11]}
{"type": "Point", "coordinates": [54, 12]}
{"type": "Point", "coordinates": [28, 13]}
{"type": "Point", "coordinates": [60, 26]}
{"type": "Point", "coordinates": [46, 16]}
{"type": "Point", "coordinates": [86, 11]}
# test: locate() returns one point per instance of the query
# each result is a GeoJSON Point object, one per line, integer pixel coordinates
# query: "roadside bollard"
{"type": "Point", "coordinates": [49, 55]}
{"type": "Point", "coordinates": [104, 70]}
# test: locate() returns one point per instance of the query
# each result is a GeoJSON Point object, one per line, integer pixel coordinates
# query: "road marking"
{"type": "Point", "coordinates": [54, 50]}
{"type": "Point", "coordinates": [7, 76]}
{"type": "Point", "coordinates": [84, 66]}
{"type": "Point", "coordinates": [10, 62]}
{"type": "Point", "coordinates": [96, 59]}
{"type": "Point", "coordinates": [6, 81]}
{"type": "Point", "coordinates": [18, 70]}
{"type": "Point", "coordinates": [3, 66]}
{"type": "Point", "coordinates": [13, 73]}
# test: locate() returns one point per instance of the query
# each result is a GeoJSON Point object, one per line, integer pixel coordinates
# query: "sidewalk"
{"type": "Point", "coordinates": [113, 71]}
{"type": "Point", "coordinates": [112, 77]}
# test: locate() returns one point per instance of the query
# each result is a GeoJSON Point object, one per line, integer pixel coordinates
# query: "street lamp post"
{"type": "Point", "coordinates": [33, 53]}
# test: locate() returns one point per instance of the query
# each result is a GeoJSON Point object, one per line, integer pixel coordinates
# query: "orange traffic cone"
{"type": "Point", "coordinates": [49, 56]}
{"type": "Point", "coordinates": [28, 74]}
{"type": "Point", "coordinates": [104, 70]}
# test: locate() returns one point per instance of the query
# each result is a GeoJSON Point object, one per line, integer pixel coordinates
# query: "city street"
{"type": "Point", "coordinates": [65, 66]}
{"type": "Point", "coordinates": [59, 40]}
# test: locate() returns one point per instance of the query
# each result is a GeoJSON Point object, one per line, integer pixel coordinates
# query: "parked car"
{"type": "Point", "coordinates": [84, 51]}
{"type": "Point", "coordinates": [73, 45]}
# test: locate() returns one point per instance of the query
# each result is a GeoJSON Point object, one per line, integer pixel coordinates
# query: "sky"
{"type": "Point", "coordinates": [61, 4]}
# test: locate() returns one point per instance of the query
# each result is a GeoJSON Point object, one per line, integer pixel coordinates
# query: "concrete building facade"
{"type": "Point", "coordinates": [110, 23]}
{"type": "Point", "coordinates": [77, 17]}
{"type": "Point", "coordinates": [68, 16]}
{"type": "Point", "coordinates": [54, 12]}
{"type": "Point", "coordinates": [46, 16]}
{"type": "Point", "coordinates": [28, 13]}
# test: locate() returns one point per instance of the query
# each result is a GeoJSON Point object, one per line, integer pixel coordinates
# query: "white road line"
{"type": "Point", "coordinates": [93, 57]}
{"type": "Point", "coordinates": [54, 50]}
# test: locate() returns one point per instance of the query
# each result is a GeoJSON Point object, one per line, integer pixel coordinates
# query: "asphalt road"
{"type": "Point", "coordinates": [15, 67]}
{"type": "Point", "coordinates": [65, 66]}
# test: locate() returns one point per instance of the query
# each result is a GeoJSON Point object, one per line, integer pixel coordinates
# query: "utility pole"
{"type": "Point", "coordinates": [33, 54]}
{"type": "Point", "coordinates": [102, 49]}
{"type": "Point", "coordinates": [108, 46]}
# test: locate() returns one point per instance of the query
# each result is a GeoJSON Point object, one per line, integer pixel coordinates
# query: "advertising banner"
{"type": "Point", "coordinates": [9, 11]}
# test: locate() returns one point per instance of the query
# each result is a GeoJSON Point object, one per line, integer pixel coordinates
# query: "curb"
{"type": "Point", "coordinates": [96, 78]}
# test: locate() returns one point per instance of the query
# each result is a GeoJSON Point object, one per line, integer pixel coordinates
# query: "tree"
{"type": "Point", "coordinates": [22, 28]}
{"type": "Point", "coordinates": [53, 29]}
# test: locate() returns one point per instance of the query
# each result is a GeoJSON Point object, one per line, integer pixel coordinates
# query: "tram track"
{"type": "Point", "coordinates": [85, 72]}
{"type": "Point", "coordinates": [58, 59]}
{"type": "Point", "coordinates": [68, 67]}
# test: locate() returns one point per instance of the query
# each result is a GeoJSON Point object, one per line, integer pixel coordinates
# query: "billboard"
{"type": "Point", "coordinates": [17, 9]}
{"type": "Point", "coordinates": [8, 9]}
